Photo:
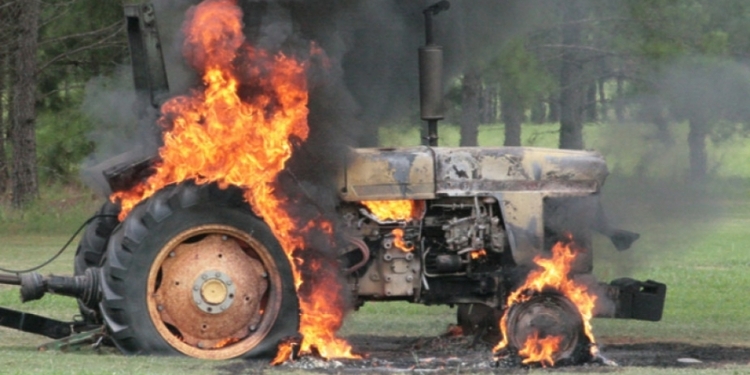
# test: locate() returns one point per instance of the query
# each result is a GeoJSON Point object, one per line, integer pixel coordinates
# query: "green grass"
{"type": "Point", "coordinates": [61, 209]}
{"type": "Point", "coordinates": [698, 249]}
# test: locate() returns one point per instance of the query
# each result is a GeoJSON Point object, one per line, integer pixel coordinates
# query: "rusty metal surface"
{"type": "Point", "coordinates": [195, 263]}
{"type": "Point", "coordinates": [523, 216]}
{"type": "Point", "coordinates": [213, 298]}
{"type": "Point", "coordinates": [427, 172]}
{"type": "Point", "coordinates": [396, 273]}
{"type": "Point", "coordinates": [382, 174]}
{"type": "Point", "coordinates": [475, 170]}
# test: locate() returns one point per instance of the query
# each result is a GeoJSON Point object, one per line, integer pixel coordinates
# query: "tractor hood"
{"type": "Point", "coordinates": [428, 172]}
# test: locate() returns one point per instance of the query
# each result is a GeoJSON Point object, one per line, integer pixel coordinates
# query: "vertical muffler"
{"type": "Point", "coordinates": [431, 75]}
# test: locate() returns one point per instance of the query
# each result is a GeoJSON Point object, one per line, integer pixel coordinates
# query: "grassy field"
{"type": "Point", "coordinates": [702, 258]}
{"type": "Point", "coordinates": [694, 239]}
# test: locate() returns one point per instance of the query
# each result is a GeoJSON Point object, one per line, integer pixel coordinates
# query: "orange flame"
{"type": "Point", "coordinates": [219, 135]}
{"type": "Point", "coordinates": [481, 253]}
{"type": "Point", "coordinates": [395, 210]}
{"type": "Point", "coordinates": [398, 241]}
{"type": "Point", "coordinates": [553, 274]}
{"type": "Point", "coordinates": [540, 350]}
{"type": "Point", "coordinates": [285, 351]}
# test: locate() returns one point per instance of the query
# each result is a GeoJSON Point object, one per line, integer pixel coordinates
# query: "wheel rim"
{"type": "Point", "coordinates": [546, 315]}
{"type": "Point", "coordinates": [213, 292]}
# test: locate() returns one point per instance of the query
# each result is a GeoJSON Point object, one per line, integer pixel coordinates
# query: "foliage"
{"type": "Point", "coordinates": [79, 40]}
{"type": "Point", "coordinates": [519, 72]}
{"type": "Point", "coordinates": [708, 88]}
{"type": "Point", "coordinates": [62, 144]}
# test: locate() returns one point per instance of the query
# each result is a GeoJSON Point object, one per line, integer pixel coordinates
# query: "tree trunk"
{"type": "Point", "coordinates": [512, 114]}
{"type": "Point", "coordinates": [653, 112]}
{"type": "Point", "coordinates": [3, 94]}
{"type": "Point", "coordinates": [24, 178]}
{"type": "Point", "coordinates": [470, 108]}
{"type": "Point", "coordinates": [495, 93]}
{"type": "Point", "coordinates": [538, 112]}
{"type": "Point", "coordinates": [591, 113]}
{"type": "Point", "coordinates": [619, 104]}
{"type": "Point", "coordinates": [697, 145]}
{"type": "Point", "coordinates": [571, 78]}
{"type": "Point", "coordinates": [603, 115]}
{"type": "Point", "coordinates": [553, 115]}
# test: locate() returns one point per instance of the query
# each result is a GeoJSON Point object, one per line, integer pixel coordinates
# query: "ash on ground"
{"type": "Point", "coordinates": [464, 354]}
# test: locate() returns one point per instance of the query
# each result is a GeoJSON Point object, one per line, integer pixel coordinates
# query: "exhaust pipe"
{"type": "Point", "coordinates": [431, 75]}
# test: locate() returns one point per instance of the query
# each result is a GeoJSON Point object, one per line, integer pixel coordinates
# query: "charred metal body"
{"type": "Point", "coordinates": [149, 73]}
{"type": "Point", "coordinates": [510, 203]}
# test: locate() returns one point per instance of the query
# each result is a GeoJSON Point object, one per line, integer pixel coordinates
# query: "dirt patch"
{"type": "Point", "coordinates": [464, 354]}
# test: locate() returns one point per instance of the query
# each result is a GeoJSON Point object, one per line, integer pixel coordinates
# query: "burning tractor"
{"type": "Point", "coordinates": [197, 252]}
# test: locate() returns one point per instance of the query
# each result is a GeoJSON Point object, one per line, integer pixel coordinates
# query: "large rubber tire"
{"type": "Point", "coordinates": [163, 229]}
{"type": "Point", "coordinates": [91, 250]}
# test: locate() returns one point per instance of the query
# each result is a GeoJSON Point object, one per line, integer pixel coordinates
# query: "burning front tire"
{"type": "Point", "coordinates": [547, 327]}
{"type": "Point", "coordinates": [193, 271]}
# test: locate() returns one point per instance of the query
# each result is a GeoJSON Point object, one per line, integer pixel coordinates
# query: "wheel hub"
{"type": "Point", "coordinates": [213, 292]}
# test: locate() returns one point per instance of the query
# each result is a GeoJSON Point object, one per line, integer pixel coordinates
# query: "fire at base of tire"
{"type": "Point", "coordinates": [548, 318]}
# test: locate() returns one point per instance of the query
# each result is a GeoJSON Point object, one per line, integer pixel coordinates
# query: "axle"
{"type": "Point", "coordinates": [34, 286]}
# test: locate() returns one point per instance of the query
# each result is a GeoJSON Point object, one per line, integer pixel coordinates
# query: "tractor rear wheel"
{"type": "Point", "coordinates": [192, 271]}
{"type": "Point", "coordinates": [91, 250]}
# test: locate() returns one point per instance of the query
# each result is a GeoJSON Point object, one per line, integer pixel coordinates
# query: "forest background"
{"type": "Point", "coordinates": [661, 87]}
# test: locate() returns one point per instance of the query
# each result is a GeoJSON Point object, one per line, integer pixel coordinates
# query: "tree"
{"type": "Point", "coordinates": [48, 50]}
{"type": "Point", "coordinates": [470, 92]}
{"type": "Point", "coordinates": [8, 23]}
{"type": "Point", "coordinates": [25, 184]}
{"type": "Point", "coordinates": [708, 93]}
{"type": "Point", "coordinates": [692, 62]}
{"type": "Point", "coordinates": [572, 85]}
{"type": "Point", "coordinates": [522, 82]}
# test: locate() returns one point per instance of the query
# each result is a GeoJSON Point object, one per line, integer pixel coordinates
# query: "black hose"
{"type": "Point", "coordinates": [59, 252]}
